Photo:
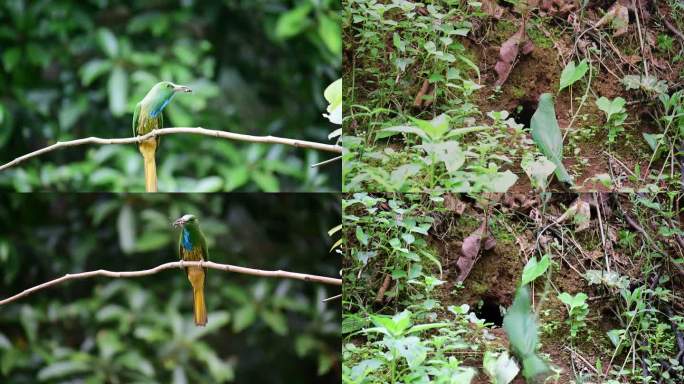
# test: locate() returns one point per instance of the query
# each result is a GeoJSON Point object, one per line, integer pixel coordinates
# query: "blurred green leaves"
{"type": "Point", "coordinates": [254, 67]}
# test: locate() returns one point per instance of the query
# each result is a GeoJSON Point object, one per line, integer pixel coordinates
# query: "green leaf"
{"type": "Point", "coordinates": [435, 128]}
{"type": "Point", "coordinates": [547, 135]}
{"type": "Point", "coordinates": [209, 184]}
{"type": "Point", "coordinates": [610, 107]}
{"type": "Point", "coordinates": [244, 317]}
{"type": "Point", "coordinates": [118, 91]}
{"type": "Point", "coordinates": [572, 73]}
{"type": "Point", "coordinates": [331, 34]}
{"type": "Point", "coordinates": [276, 321]}
{"type": "Point", "coordinates": [62, 369]}
{"type": "Point", "coordinates": [520, 325]}
{"type": "Point", "coordinates": [538, 170]}
{"type": "Point", "coordinates": [94, 69]}
{"type": "Point", "coordinates": [500, 368]}
{"type": "Point", "coordinates": [534, 269]}
{"type": "Point", "coordinates": [108, 42]}
{"type": "Point", "coordinates": [333, 95]}
{"type": "Point", "coordinates": [361, 236]}
{"type": "Point", "coordinates": [294, 21]}
{"type": "Point", "coordinates": [448, 152]}
{"type": "Point", "coordinates": [151, 241]}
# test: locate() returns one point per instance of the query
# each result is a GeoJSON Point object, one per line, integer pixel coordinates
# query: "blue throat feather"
{"type": "Point", "coordinates": [157, 111]}
{"type": "Point", "coordinates": [187, 244]}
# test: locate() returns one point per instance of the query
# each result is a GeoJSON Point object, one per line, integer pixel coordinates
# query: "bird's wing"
{"type": "Point", "coordinates": [136, 114]}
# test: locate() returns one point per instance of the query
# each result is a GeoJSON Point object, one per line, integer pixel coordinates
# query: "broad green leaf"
{"type": "Point", "coordinates": [500, 367]}
{"type": "Point", "coordinates": [118, 91]}
{"type": "Point", "coordinates": [520, 324]}
{"type": "Point", "coordinates": [534, 269]}
{"type": "Point", "coordinates": [610, 107]}
{"type": "Point", "coordinates": [572, 73]}
{"type": "Point", "coordinates": [501, 181]}
{"type": "Point", "coordinates": [94, 69]}
{"type": "Point", "coordinates": [333, 95]}
{"type": "Point", "coordinates": [331, 34]}
{"type": "Point", "coordinates": [405, 129]}
{"type": "Point", "coordinates": [538, 170]}
{"type": "Point", "coordinates": [62, 369]}
{"type": "Point", "coordinates": [208, 184]}
{"type": "Point", "coordinates": [448, 152]}
{"type": "Point", "coordinates": [361, 236]}
{"type": "Point", "coordinates": [547, 135]}
{"type": "Point", "coordinates": [294, 21]}
{"type": "Point", "coordinates": [435, 128]}
{"type": "Point", "coordinates": [108, 42]}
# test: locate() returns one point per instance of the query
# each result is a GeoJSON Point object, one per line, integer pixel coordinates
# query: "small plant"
{"type": "Point", "coordinates": [577, 311]}
{"type": "Point", "coordinates": [615, 115]}
{"type": "Point", "coordinates": [572, 73]}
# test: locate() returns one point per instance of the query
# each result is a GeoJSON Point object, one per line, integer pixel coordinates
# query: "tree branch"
{"type": "Point", "coordinates": [177, 264]}
{"type": "Point", "coordinates": [170, 131]}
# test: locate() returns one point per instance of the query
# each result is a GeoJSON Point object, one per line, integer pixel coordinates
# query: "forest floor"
{"type": "Point", "coordinates": [410, 67]}
{"type": "Point", "coordinates": [608, 304]}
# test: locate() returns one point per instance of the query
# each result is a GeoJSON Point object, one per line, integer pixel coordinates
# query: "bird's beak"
{"type": "Point", "coordinates": [178, 223]}
{"type": "Point", "coordinates": [181, 88]}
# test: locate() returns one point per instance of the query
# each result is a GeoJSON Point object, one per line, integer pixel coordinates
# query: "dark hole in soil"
{"type": "Point", "coordinates": [504, 3]}
{"type": "Point", "coordinates": [489, 311]}
{"type": "Point", "coordinates": [523, 112]}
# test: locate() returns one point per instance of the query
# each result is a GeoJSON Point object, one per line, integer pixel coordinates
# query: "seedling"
{"type": "Point", "coordinates": [577, 311]}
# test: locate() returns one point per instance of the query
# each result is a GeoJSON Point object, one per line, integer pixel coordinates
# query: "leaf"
{"type": "Point", "coordinates": [572, 73]}
{"type": "Point", "coordinates": [534, 269]}
{"type": "Point", "coordinates": [521, 327]}
{"type": "Point", "coordinates": [435, 128]}
{"type": "Point", "coordinates": [402, 174]}
{"type": "Point", "coordinates": [333, 95]}
{"type": "Point", "coordinates": [117, 87]}
{"type": "Point", "coordinates": [208, 184]}
{"type": "Point", "coordinates": [407, 129]}
{"type": "Point", "coordinates": [126, 229]}
{"type": "Point", "coordinates": [294, 21]}
{"type": "Point", "coordinates": [94, 69]}
{"type": "Point", "coordinates": [547, 135]}
{"type": "Point", "coordinates": [108, 42]}
{"type": "Point", "coordinates": [62, 369]}
{"type": "Point", "coordinates": [509, 52]}
{"type": "Point", "coordinates": [500, 368]}
{"type": "Point", "coordinates": [361, 236]}
{"type": "Point", "coordinates": [449, 152]}
{"type": "Point", "coordinates": [538, 170]}
{"type": "Point", "coordinates": [501, 181]}
{"type": "Point", "coordinates": [331, 34]}
{"type": "Point", "coordinates": [610, 107]}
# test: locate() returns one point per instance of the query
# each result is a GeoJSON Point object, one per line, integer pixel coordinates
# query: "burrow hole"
{"type": "Point", "coordinates": [488, 309]}
{"type": "Point", "coordinates": [522, 113]}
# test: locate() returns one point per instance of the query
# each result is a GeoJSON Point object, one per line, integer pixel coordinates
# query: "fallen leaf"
{"type": "Point", "coordinates": [453, 204]}
{"type": "Point", "coordinates": [618, 17]}
{"type": "Point", "coordinates": [580, 212]}
{"type": "Point", "coordinates": [470, 250]}
{"type": "Point", "coordinates": [492, 8]}
{"type": "Point", "coordinates": [509, 52]}
{"type": "Point", "coordinates": [418, 102]}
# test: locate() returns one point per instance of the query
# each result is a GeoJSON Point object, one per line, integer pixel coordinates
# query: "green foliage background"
{"type": "Point", "coordinates": [260, 330]}
{"type": "Point", "coordinates": [76, 69]}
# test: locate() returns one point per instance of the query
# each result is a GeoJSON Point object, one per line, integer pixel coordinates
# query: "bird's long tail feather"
{"type": "Point", "coordinates": [147, 149]}
{"type": "Point", "coordinates": [200, 308]}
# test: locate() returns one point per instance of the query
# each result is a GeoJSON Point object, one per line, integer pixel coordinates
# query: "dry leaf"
{"type": "Point", "coordinates": [509, 52]}
{"type": "Point", "coordinates": [580, 212]}
{"type": "Point", "coordinates": [470, 250]}
{"type": "Point", "coordinates": [418, 102]}
{"type": "Point", "coordinates": [618, 17]}
{"type": "Point", "coordinates": [453, 204]}
{"type": "Point", "coordinates": [492, 8]}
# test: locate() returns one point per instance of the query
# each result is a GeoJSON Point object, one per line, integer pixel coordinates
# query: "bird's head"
{"type": "Point", "coordinates": [185, 220]}
{"type": "Point", "coordinates": [169, 88]}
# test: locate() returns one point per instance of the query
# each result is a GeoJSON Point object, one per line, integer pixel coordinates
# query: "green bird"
{"type": "Point", "coordinates": [192, 246]}
{"type": "Point", "coordinates": [547, 135]}
{"type": "Point", "coordinates": [520, 324]}
{"type": "Point", "coordinates": [148, 116]}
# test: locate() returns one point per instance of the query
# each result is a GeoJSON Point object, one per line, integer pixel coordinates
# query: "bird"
{"type": "Point", "coordinates": [192, 246]}
{"type": "Point", "coordinates": [148, 116]}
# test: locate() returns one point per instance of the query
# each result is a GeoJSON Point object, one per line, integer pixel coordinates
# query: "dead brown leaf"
{"type": "Point", "coordinates": [470, 250]}
{"type": "Point", "coordinates": [618, 17]}
{"type": "Point", "coordinates": [453, 204]}
{"type": "Point", "coordinates": [418, 102]}
{"type": "Point", "coordinates": [509, 52]}
{"type": "Point", "coordinates": [492, 8]}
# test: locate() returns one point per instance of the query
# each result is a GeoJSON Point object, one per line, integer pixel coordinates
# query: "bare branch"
{"type": "Point", "coordinates": [177, 264]}
{"type": "Point", "coordinates": [170, 131]}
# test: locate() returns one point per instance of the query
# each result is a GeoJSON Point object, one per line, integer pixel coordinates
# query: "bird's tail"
{"type": "Point", "coordinates": [148, 149]}
{"type": "Point", "coordinates": [200, 308]}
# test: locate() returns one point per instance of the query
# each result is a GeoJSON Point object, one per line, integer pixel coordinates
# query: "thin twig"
{"type": "Point", "coordinates": [169, 131]}
{"type": "Point", "coordinates": [177, 264]}
{"type": "Point", "coordinates": [325, 162]}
